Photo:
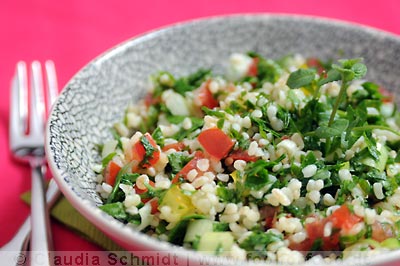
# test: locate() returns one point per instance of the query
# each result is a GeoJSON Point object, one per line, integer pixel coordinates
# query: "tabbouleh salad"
{"type": "Point", "coordinates": [280, 160]}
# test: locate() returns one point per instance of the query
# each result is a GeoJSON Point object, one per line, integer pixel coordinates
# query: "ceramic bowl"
{"type": "Point", "coordinates": [97, 96]}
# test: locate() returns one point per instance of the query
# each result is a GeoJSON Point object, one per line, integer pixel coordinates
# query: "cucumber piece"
{"type": "Point", "coordinates": [362, 245]}
{"type": "Point", "coordinates": [177, 234]}
{"type": "Point", "coordinates": [109, 148]}
{"type": "Point", "coordinates": [197, 228]}
{"type": "Point", "coordinates": [175, 103]}
{"type": "Point", "coordinates": [379, 164]}
{"type": "Point", "coordinates": [216, 243]}
{"type": "Point", "coordinates": [390, 243]}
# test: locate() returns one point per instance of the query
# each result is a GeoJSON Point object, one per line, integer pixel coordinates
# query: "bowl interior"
{"type": "Point", "coordinates": [97, 96]}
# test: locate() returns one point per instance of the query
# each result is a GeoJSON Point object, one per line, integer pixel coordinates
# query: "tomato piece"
{"type": "Point", "coordinates": [139, 152]}
{"type": "Point", "coordinates": [315, 63]}
{"type": "Point", "coordinates": [315, 229]}
{"type": "Point", "coordinates": [387, 95]}
{"type": "Point", "coordinates": [205, 97]}
{"type": "Point", "coordinates": [315, 232]}
{"type": "Point", "coordinates": [242, 155]}
{"type": "Point", "coordinates": [153, 203]}
{"type": "Point", "coordinates": [150, 100]}
{"type": "Point", "coordinates": [111, 172]}
{"type": "Point", "coordinates": [302, 246]}
{"type": "Point", "coordinates": [331, 242]}
{"type": "Point", "coordinates": [343, 218]}
{"type": "Point", "coordinates": [215, 142]}
{"type": "Point", "coordinates": [253, 69]}
{"type": "Point", "coordinates": [268, 213]}
{"type": "Point", "coordinates": [178, 146]}
{"type": "Point", "coordinates": [156, 154]}
{"type": "Point", "coordinates": [192, 164]}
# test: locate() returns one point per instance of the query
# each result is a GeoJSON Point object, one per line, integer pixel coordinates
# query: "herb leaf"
{"type": "Point", "coordinates": [301, 78]}
{"type": "Point", "coordinates": [192, 81]}
{"type": "Point", "coordinates": [336, 129]}
{"type": "Point", "coordinates": [147, 146]}
{"type": "Point", "coordinates": [177, 161]}
{"type": "Point", "coordinates": [115, 209]}
{"type": "Point", "coordinates": [129, 178]}
{"type": "Point", "coordinates": [256, 175]}
{"type": "Point", "coordinates": [359, 70]}
{"type": "Point", "coordinates": [107, 159]}
{"type": "Point", "coordinates": [112, 197]}
{"type": "Point", "coordinates": [158, 136]}
{"type": "Point", "coordinates": [257, 242]}
{"type": "Point", "coordinates": [349, 69]}
{"type": "Point", "coordinates": [227, 195]}
{"type": "Point", "coordinates": [331, 75]}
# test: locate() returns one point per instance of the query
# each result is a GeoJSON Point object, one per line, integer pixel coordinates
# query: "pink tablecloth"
{"type": "Point", "coordinates": [75, 31]}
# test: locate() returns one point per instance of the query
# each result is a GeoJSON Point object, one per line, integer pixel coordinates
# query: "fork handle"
{"type": "Point", "coordinates": [41, 240]}
{"type": "Point", "coordinates": [21, 239]}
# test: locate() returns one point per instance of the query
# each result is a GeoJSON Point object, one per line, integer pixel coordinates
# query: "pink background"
{"type": "Point", "coordinates": [75, 31]}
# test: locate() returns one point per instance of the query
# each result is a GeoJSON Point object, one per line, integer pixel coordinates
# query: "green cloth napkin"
{"type": "Point", "coordinates": [63, 212]}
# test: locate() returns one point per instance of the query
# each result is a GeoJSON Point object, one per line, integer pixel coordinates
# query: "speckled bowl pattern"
{"type": "Point", "coordinates": [97, 96]}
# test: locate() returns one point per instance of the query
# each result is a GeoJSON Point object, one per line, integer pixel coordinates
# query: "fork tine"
{"type": "Point", "coordinates": [37, 100]}
{"type": "Point", "coordinates": [19, 110]}
{"type": "Point", "coordinates": [52, 86]}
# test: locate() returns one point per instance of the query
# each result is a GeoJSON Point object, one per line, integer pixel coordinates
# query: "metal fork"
{"type": "Point", "coordinates": [27, 145]}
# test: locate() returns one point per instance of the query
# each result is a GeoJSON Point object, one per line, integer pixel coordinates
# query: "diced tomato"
{"type": "Point", "coordinates": [178, 146]}
{"type": "Point", "coordinates": [387, 95]}
{"type": "Point", "coordinates": [301, 246]}
{"type": "Point", "coordinates": [156, 154]}
{"type": "Point", "coordinates": [141, 191]}
{"type": "Point", "coordinates": [154, 204]}
{"type": "Point", "coordinates": [139, 152]}
{"type": "Point", "coordinates": [205, 97]}
{"type": "Point", "coordinates": [242, 155]}
{"type": "Point", "coordinates": [331, 242]}
{"type": "Point", "coordinates": [111, 172]}
{"type": "Point", "coordinates": [343, 218]}
{"type": "Point", "coordinates": [315, 232]}
{"type": "Point", "coordinates": [315, 63]}
{"type": "Point", "coordinates": [215, 142]}
{"type": "Point", "coordinates": [150, 100]}
{"type": "Point", "coordinates": [315, 229]}
{"type": "Point", "coordinates": [268, 213]}
{"type": "Point", "coordinates": [192, 164]}
{"type": "Point", "coordinates": [253, 69]}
